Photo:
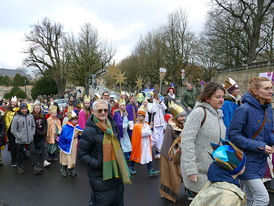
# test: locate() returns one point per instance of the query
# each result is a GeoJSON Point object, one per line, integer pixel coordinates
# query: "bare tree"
{"type": "Point", "coordinates": [46, 52]}
{"type": "Point", "coordinates": [178, 43]}
{"type": "Point", "coordinates": [251, 14]}
{"type": "Point", "coordinates": [89, 56]}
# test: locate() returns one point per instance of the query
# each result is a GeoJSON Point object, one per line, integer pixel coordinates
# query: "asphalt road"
{"type": "Point", "coordinates": [51, 189]}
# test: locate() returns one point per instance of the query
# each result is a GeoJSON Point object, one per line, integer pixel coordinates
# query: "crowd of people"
{"type": "Point", "coordinates": [208, 142]}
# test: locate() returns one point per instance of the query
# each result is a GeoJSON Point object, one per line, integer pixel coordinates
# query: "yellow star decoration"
{"type": "Point", "coordinates": [112, 70]}
{"type": "Point", "coordinates": [120, 78]}
{"type": "Point", "coordinates": [139, 82]}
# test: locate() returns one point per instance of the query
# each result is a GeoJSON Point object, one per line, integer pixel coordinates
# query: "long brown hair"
{"type": "Point", "coordinates": [255, 84]}
{"type": "Point", "coordinates": [209, 90]}
{"type": "Point", "coordinates": [87, 111]}
{"type": "Point", "coordinates": [178, 124]}
{"type": "Point", "coordinates": [9, 107]}
{"type": "Point", "coordinates": [39, 115]}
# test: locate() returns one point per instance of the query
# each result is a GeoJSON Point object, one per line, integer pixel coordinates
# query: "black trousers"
{"type": "Point", "coordinates": [20, 151]}
{"type": "Point", "coordinates": [12, 146]}
{"type": "Point", "coordinates": [40, 142]}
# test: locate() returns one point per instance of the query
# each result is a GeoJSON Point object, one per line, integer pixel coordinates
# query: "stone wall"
{"type": "Point", "coordinates": [242, 76]}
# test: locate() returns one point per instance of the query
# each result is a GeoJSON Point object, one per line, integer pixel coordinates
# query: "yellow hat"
{"type": "Point", "coordinates": [86, 98]}
{"type": "Point", "coordinates": [122, 102]}
{"type": "Point", "coordinates": [142, 111]}
{"type": "Point", "coordinates": [97, 96]}
{"type": "Point", "coordinates": [176, 110]}
{"type": "Point", "coordinates": [53, 108]}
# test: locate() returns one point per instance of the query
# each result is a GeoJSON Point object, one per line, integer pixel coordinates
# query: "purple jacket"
{"type": "Point", "coordinates": [119, 120]}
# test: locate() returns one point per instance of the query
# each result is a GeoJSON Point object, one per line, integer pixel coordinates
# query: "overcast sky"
{"type": "Point", "coordinates": [120, 22]}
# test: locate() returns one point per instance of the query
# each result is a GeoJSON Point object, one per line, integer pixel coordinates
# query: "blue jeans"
{"type": "Point", "coordinates": [256, 193]}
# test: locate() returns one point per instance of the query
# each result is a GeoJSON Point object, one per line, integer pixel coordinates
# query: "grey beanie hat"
{"type": "Point", "coordinates": [23, 105]}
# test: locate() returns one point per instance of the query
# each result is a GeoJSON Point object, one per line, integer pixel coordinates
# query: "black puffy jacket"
{"type": "Point", "coordinates": [2, 131]}
{"type": "Point", "coordinates": [90, 152]}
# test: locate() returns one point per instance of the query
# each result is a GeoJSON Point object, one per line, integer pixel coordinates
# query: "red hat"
{"type": "Point", "coordinates": [167, 91]}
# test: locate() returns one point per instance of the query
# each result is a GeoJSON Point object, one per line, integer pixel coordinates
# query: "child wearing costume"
{"type": "Point", "coordinates": [68, 142]}
{"type": "Point", "coordinates": [84, 113]}
{"type": "Point", "coordinates": [54, 130]}
{"type": "Point", "coordinates": [141, 145]}
{"type": "Point", "coordinates": [120, 117]}
{"type": "Point", "coordinates": [223, 187]}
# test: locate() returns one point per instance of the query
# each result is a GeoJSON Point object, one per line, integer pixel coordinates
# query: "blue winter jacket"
{"type": "Point", "coordinates": [228, 109]}
{"type": "Point", "coordinates": [245, 122]}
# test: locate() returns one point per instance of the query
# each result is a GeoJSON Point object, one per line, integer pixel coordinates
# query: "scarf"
{"type": "Point", "coordinates": [114, 163]}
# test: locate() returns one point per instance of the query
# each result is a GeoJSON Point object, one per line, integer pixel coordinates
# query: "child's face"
{"type": "Point", "coordinates": [140, 117]}
{"type": "Point", "coordinates": [181, 119]}
{"type": "Point", "coordinates": [74, 121]}
{"type": "Point", "coordinates": [145, 103]}
{"type": "Point", "coordinates": [54, 114]}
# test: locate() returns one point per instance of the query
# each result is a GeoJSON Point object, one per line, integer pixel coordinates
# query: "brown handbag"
{"type": "Point", "coordinates": [175, 151]}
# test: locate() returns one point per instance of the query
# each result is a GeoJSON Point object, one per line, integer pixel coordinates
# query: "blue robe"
{"type": "Point", "coordinates": [228, 109]}
{"type": "Point", "coordinates": [66, 137]}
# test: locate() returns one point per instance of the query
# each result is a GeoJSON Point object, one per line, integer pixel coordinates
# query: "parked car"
{"type": "Point", "coordinates": [112, 96]}
{"type": "Point", "coordinates": [62, 103]}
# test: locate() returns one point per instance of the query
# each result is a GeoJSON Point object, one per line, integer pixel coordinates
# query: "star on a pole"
{"type": "Point", "coordinates": [120, 78]}
{"type": "Point", "coordinates": [112, 70]}
{"type": "Point", "coordinates": [139, 82]}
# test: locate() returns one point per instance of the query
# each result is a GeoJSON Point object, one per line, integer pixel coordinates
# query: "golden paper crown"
{"type": "Point", "coordinates": [142, 110]}
{"type": "Point", "coordinates": [123, 93]}
{"type": "Point", "coordinates": [73, 115]}
{"type": "Point", "coordinates": [70, 109]}
{"type": "Point", "coordinates": [97, 96]}
{"type": "Point", "coordinates": [122, 102]}
{"type": "Point", "coordinates": [86, 98]}
{"type": "Point", "coordinates": [176, 110]}
{"type": "Point", "coordinates": [229, 83]}
{"type": "Point", "coordinates": [53, 108]}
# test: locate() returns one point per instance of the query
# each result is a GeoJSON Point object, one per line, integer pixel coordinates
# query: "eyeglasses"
{"type": "Point", "coordinates": [101, 110]}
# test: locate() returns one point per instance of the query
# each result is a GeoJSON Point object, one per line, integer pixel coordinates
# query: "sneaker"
{"type": "Point", "coordinates": [46, 163]}
{"type": "Point", "coordinates": [132, 171]}
{"type": "Point", "coordinates": [37, 170]}
{"type": "Point", "coordinates": [153, 172]}
{"type": "Point", "coordinates": [20, 170]}
{"type": "Point", "coordinates": [64, 172]}
{"type": "Point", "coordinates": [157, 156]}
{"type": "Point", "coordinates": [72, 172]}
{"type": "Point", "coordinates": [13, 164]}
{"type": "Point", "coordinates": [190, 195]}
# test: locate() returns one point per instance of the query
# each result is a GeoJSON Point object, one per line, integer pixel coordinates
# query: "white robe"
{"type": "Point", "coordinates": [146, 155]}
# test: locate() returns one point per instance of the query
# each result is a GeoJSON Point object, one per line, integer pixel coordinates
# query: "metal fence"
{"type": "Point", "coordinates": [257, 65]}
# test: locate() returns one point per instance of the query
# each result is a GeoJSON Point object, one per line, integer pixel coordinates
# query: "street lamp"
{"type": "Point", "coordinates": [183, 78]}
{"type": "Point", "coordinates": [162, 75]}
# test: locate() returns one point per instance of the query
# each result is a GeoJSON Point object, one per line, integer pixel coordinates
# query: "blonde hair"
{"type": "Point", "coordinates": [255, 84]}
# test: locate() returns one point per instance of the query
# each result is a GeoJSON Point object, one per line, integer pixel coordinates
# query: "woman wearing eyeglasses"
{"type": "Point", "coordinates": [99, 149]}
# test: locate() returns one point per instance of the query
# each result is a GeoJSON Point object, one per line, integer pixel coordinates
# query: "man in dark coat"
{"type": "Point", "coordinates": [189, 97]}
{"type": "Point", "coordinates": [103, 192]}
